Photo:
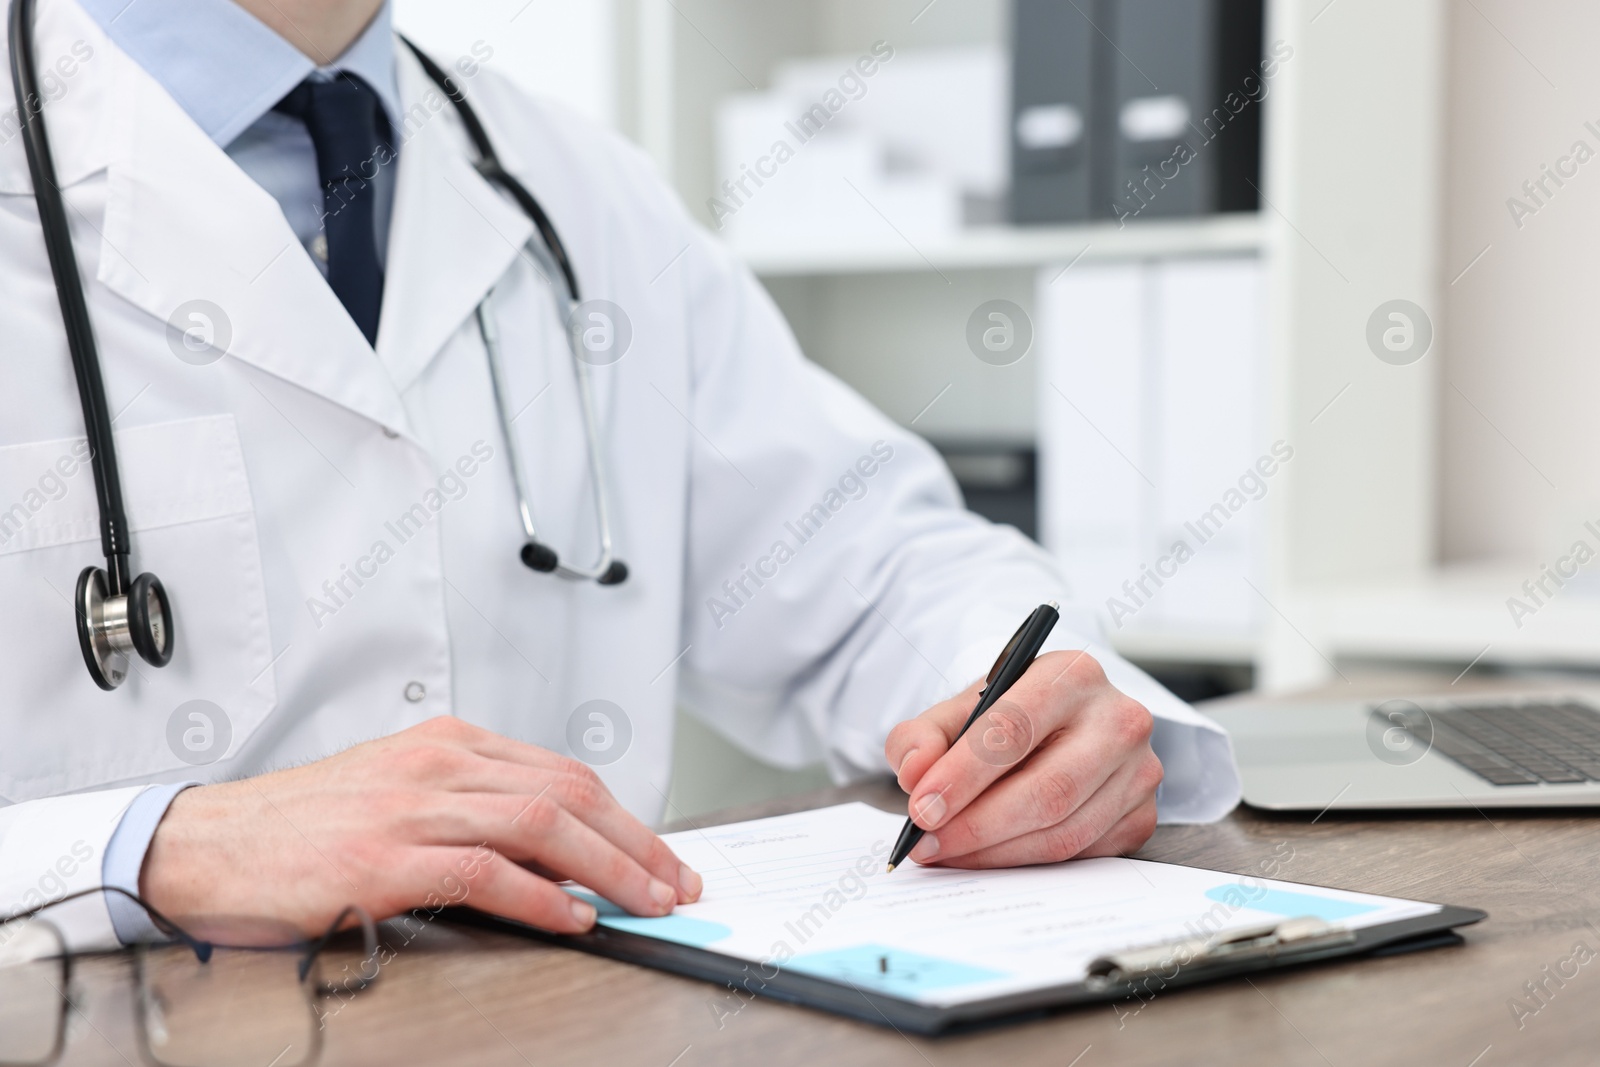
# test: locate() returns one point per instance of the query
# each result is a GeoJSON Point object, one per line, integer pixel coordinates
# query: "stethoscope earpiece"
{"type": "Point", "coordinates": [539, 557]}
{"type": "Point", "coordinates": [111, 626]}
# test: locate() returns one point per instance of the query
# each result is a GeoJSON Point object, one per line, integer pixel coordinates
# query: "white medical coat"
{"type": "Point", "coordinates": [336, 526]}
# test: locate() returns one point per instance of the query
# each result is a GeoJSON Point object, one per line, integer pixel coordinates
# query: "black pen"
{"type": "Point", "coordinates": [1014, 661]}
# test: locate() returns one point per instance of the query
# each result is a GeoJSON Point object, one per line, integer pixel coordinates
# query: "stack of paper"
{"type": "Point", "coordinates": [808, 894]}
{"type": "Point", "coordinates": [849, 149]}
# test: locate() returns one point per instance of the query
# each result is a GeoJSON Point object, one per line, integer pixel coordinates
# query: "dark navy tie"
{"type": "Point", "coordinates": [351, 136]}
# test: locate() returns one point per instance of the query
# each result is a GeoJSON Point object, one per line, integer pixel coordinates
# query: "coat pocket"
{"type": "Point", "coordinates": [193, 525]}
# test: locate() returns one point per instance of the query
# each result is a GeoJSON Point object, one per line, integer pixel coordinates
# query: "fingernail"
{"type": "Point", "coordinates": [930, 809]}
{"type": "Point", "coordinates": [582, 913]}
{"type": "Point", "coordinates": [926, 849]}
{"type": "Point", "coordinates": [663, 894]}
{"type": "Point", "coordinates": [905, 760]}
{"type": "Point", "coordinates": [689, 882]}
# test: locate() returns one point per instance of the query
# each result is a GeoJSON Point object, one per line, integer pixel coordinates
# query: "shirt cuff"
{"type": "Point", "coordinates": [124, 859]}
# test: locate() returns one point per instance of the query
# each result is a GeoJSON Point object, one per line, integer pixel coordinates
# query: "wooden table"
{"type": "Point", "coordinates": [457, 995]}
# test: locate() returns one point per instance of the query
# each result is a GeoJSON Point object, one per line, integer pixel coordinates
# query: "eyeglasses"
{"type": "Point", "coordinates": [220, 993]}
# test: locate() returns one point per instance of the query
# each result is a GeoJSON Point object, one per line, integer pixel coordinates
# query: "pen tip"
{"type": "Point", "coordinates": [890, 870]}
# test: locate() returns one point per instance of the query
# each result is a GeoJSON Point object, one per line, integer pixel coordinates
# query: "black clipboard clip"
{"type": "Point", "coordinates": [1225, 950]}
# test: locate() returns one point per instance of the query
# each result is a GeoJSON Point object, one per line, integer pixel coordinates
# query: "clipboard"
{"type": "Point", "coordinates": [1133, 973]}
{"type": "Point", "coordinates": [1262, 953]}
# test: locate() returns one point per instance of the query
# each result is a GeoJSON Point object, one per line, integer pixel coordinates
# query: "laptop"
{"type": "Point", "coordinates": [1500, 751]}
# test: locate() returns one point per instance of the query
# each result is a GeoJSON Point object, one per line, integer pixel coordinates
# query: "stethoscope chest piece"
{"type": "Point", "coordinates": [115, 616]}
{"type": "Point", "coordinates": [110, 626]}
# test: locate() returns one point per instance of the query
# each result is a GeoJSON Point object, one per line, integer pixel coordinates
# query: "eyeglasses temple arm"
{"type": "Point", "coordinates": [201, 949]}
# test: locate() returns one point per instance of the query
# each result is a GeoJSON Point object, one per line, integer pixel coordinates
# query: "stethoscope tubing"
{"type": "Point", "coordinates": [74, 307]}
{"type": "Point", "coordinates": [607, 569]}
{"type": "Point", "coordinates": [118, 613]}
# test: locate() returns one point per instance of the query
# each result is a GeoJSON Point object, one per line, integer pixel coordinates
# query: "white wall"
{"type": "Point", "coordinates": [556, 48]}
{"type": "Point", "coordinates": [1353, 159]}
{"type": "Point", "coordinates": [1521, 326]}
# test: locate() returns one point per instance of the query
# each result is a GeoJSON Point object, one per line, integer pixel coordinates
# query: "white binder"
{"type": "Point", "coordinates": [1152, 439]}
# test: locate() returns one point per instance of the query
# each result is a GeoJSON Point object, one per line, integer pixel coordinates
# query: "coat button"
{"type": "Point", "coordinates": [319, 247]}
{"type": "Point", "coordinates": [415, 691]}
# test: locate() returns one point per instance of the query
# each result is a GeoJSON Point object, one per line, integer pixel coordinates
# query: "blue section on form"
{"type": "Point", "coordinates": [890, 970]}
{"type": "Point", "coordinates": [679, 929]}
{"type": "Point", "coordinates": [1289, 905]}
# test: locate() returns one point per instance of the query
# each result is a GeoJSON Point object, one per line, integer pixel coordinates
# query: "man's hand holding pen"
{"type": "Point", "coordinates": [1060, 766]}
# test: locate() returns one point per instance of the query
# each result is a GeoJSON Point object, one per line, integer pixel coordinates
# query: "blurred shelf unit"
{"type": "Point", "coordinates": [1349, 174]}
{"type": "Point", "coordinates": [1186, 645]}
{"type": "Point", "coordinates": [991, 247]}
{"type": "Point", "coordinates": [1458, 614]}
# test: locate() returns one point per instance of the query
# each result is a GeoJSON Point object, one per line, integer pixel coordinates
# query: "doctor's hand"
{"type": "Point", "coordinates": [442, 812]}
{"type": "Point", "coordinates": [1061, 766]}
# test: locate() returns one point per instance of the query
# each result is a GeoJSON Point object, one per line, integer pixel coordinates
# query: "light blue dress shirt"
{"type": "Point", "coordinates": [227, 69]}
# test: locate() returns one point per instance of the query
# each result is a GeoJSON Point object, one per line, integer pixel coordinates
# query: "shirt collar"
{"type": "Point", "coordinates": [225, 67]}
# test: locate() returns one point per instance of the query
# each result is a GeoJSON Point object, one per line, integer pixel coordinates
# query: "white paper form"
{"type": "Point", "coordinates": [808, 893]}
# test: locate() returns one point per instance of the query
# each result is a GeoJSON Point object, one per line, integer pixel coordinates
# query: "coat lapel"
{"type": "Point", "coordinates": [75, 57]}
{"type": "Point", "coordinates": [183, 223]}
{"type": "Point", "coordinates": [452, 237]}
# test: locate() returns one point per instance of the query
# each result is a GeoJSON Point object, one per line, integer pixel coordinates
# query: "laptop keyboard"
{"type": "Point", "coordinates": [1519, 744]}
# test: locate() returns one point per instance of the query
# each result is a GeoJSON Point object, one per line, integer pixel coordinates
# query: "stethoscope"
{"type": "Point", "coordinates": [118, 614]}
